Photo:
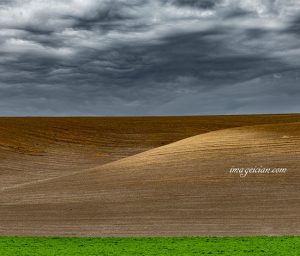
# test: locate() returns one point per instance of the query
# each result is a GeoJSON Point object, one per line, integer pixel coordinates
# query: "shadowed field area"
{"type": "Point", "coordinates": [258, 246]}
{"type": "Point", "coordinates": [156, 176]}
{"type": "Point", "coordinates": [40, 148]}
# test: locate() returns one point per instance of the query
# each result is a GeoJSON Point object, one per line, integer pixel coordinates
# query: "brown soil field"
{"type": "Point", "coordinates": [149, 176]}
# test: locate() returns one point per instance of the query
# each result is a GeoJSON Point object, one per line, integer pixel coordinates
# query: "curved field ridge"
{"type": "Point", "coordinates": [33, 149]}
{"type": "Point", "coordinates": [183, 188]}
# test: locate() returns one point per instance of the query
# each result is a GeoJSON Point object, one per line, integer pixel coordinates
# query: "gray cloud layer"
{"type": "Point", "coordinates": [149, 57]}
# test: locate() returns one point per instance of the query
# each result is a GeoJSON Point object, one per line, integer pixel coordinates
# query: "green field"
{"type": "Point", "coordinates": [14, 246]}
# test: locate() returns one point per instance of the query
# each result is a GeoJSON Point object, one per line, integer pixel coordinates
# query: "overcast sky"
{"type": "Point", "coordinates": [149, 57]}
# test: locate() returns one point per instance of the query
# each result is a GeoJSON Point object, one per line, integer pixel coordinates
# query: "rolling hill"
{"type": "Point", "coordinates": [34, 149]}
{"type": "Point", "coordinates": [183, 187]}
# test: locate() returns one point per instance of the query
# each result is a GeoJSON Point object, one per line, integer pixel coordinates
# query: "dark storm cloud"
{"type": "Point", "coordinates": [294, 26]}
{"type": "Point", "coordinates": [143, 57]}
{"type": "Point", "coordinates": [205, 4]}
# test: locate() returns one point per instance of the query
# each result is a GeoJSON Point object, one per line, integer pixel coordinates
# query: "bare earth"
{"type": "Point", "coordinates": [154, 176]}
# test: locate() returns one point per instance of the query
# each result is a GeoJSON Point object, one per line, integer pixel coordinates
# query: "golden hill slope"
{"type": "Point", "coordinates": [33, 149]}
{"type": "Point", "coordinates": [183, 188]}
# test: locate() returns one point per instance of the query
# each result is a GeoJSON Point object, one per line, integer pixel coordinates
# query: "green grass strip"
{"type": "Point", "coordinates": [230, 246]}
